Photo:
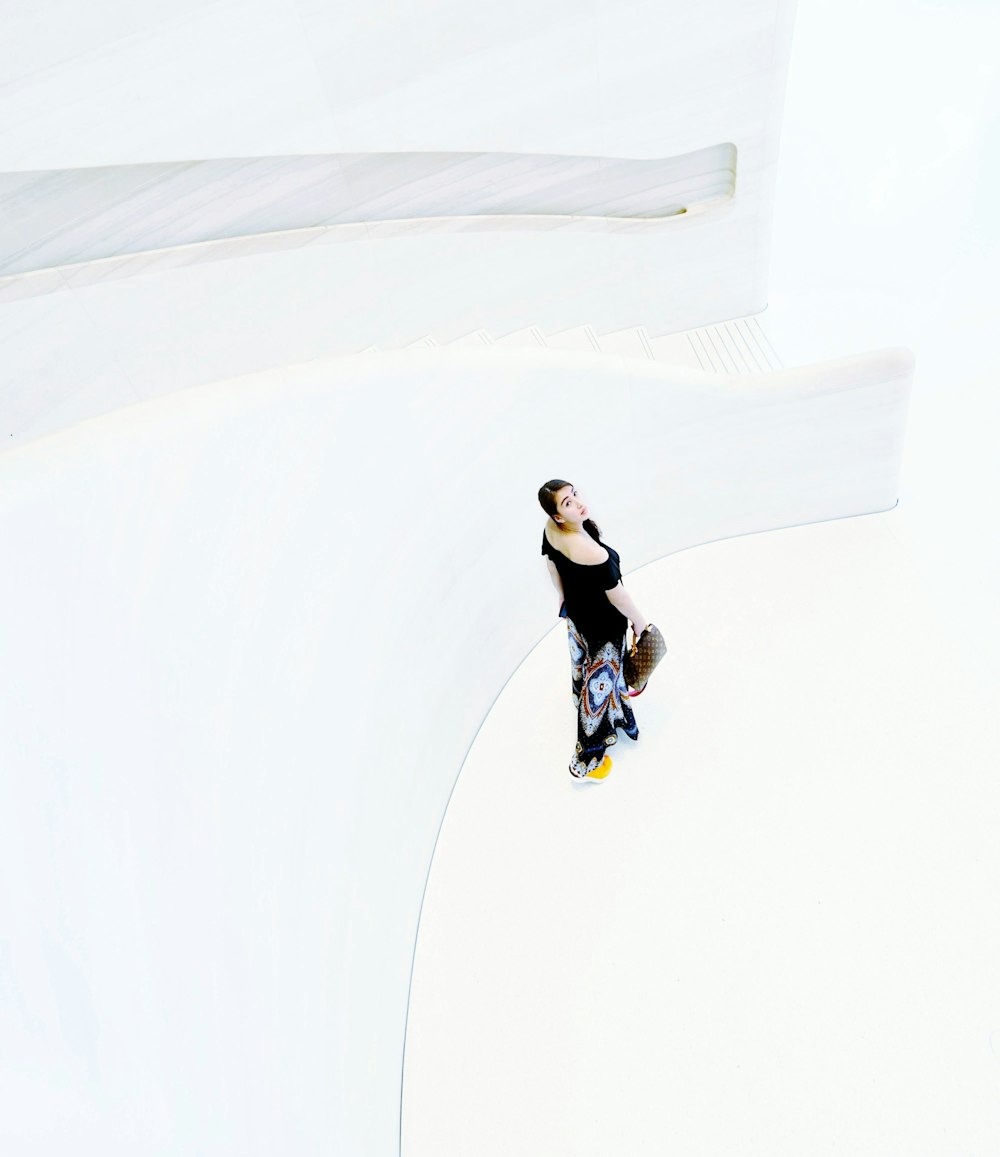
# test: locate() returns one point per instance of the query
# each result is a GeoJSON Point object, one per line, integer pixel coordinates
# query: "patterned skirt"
{"type": "Point", "coordinates": [600, 699]}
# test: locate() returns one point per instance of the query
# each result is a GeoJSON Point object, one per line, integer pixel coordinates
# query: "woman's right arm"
{"type": "Point", "coordinates": [556, 579]}
{"type": "Point", "coordinates": [620, 599]}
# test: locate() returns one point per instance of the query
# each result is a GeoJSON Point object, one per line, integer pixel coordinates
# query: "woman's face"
{"type": "Point", "coordinates": [571, 510]}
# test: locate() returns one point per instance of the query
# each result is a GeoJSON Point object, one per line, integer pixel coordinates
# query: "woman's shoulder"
{"type": "Point", "coordinates": [578, 548]}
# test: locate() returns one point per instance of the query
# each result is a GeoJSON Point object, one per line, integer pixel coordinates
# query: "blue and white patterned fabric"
{"type": "Point", "coordinates": [599, 695]}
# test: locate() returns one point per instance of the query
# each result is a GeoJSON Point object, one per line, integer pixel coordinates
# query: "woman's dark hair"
{"type": "Point", "coordinates": [547, 499]}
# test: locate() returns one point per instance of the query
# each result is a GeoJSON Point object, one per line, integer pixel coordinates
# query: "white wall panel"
{"type": "Point", "coordinates": [268, 77]}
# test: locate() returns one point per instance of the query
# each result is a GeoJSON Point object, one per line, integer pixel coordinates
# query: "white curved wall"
{"type": "Point", "coordinates": [269, 616]}
{"type": "Point", "coordinates": [227, 842]}
{"type": "Point", "coordinates": [128, 83]}
{"type": "Point", "coordinates": [902, 178]}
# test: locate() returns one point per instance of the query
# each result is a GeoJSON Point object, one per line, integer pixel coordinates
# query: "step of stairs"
{"type": "Point", "coordinates": [729, 347]}
{"type": "Point", "coordinates": [529, 338]}
{"type": "Point", "coordinates": [676, 349]}
{"type": "Point", "coordinates": [627, 343]}
{"type": "Point", "coordinates": [580, 337]}
{"type": "Point", "coordinates": [475, 340]}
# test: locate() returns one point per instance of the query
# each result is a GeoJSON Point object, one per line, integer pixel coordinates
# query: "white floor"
{"type": "Point", "coordinates": [773, 928]}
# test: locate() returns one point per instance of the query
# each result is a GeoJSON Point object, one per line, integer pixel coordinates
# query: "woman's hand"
{"type": "Point", "coordinates": [637, 628]}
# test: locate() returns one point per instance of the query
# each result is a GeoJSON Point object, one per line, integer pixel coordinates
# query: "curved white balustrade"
{"type": "Point", "coordinates": [115, 334]}
{"type": "Point", "coordinates": [64, 216]}
{"type": "Point", "coordinates": [270, 615]}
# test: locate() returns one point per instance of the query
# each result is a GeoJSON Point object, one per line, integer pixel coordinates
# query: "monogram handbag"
{"type": "Point", "coordinates": [640, 661]}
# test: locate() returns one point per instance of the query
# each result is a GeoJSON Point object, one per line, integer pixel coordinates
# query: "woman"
{"type": "Point", "coordinates": [597, 609]}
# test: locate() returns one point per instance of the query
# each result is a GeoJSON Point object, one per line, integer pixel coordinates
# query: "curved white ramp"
{"type": "Point", "coordinates": [270, 616]}
{"type": "Point", "coordinates": [772, 929]}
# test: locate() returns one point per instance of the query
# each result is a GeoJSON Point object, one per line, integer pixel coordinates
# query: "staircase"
{"type": "Point", "coordinates": [740, 346]}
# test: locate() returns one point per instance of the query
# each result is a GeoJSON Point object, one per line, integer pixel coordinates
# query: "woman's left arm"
{"type": "Point", "coordinates": [620, 599]}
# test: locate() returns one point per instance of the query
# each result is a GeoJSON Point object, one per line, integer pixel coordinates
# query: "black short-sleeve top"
{"type": "Point", "coordinates": [585, 586]}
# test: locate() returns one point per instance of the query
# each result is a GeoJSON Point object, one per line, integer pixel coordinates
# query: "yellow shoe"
{"type": "Point", "coordinates": [601, 771]}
